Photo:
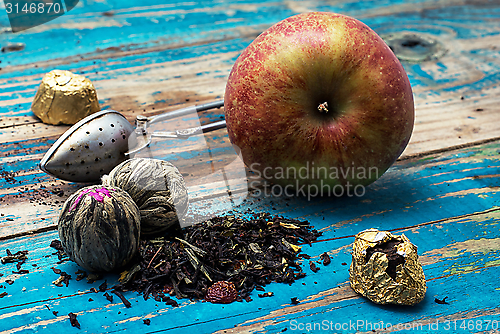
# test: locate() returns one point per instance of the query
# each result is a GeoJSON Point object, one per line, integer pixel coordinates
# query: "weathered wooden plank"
{"type": "Point", "coordinates": [410, 185]}
{"type": "Point", "coordinates": [199, 71]}
{"type": "Point", "coordinates": [452, 250]}
{"type": "Point", "coordinates": [446, 203]}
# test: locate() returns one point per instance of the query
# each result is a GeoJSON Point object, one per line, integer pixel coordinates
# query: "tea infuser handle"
{"type": "Point", "coordinates": [185, 111]}
{"type": "Point", "coordinates": [186, 133]}
{"type": "Point", "coordinates": [178, 134]}
{"type": "Point", "coordinates": [143, 122]}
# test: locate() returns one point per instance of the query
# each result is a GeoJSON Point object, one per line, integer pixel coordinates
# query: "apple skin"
{"type": "Point", "coordinates": [278, 82]}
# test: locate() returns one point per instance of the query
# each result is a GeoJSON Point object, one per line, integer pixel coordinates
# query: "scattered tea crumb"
{"type": "Point", "coordinates": [313, 267]}
{"type": "Point", "coordinates": [73, 320]}
{"type": "Point", "coordinates": [147, 322]}
{"type": "Point", "coordinates": [266, 294]}
{"type": "Point", "coordinates": [108, 297]}
{"type": "Point", "coordinates": [3, 294]}
{"type": "Point", "coordinates": [80, 274]}
{"type": "Point", "coordinates": [326, 258]}
{"type": "Point", "coordinates": [21, 272]}
{"type": "Point", "coordinates": [170, 301]}
{"type": "Point", "coordinates": [122, 297]}
{"type": "Point", "coordinates": [57, 245]}
{"type": "Point", "coordinates": [294, 301]}
{"type": "Point", "coordinates": [441, 301]}
{"type": "Point", "coordinates": [19, 257]}
{"type": "Point", "coordinates": [64, 278]}
{"type": "Point", "coordinates": [103, 286]}
{"type": "Point", "coordinates": [92, 277]}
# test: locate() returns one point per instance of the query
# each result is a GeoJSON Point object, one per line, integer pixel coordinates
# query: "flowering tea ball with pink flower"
{"type": "Point", "coordinates": [99, 228]}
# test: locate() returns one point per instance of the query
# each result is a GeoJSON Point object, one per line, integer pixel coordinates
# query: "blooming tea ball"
{"type": "Point", "coordinates": [99, 228]}
{"type": "Point", "coordinates": [157, 187]}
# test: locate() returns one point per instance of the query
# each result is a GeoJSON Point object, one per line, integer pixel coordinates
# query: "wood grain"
{"type": "Point", "coordinates": [453, 248]}
{"type": "Point", "coordinates": [149, 58]}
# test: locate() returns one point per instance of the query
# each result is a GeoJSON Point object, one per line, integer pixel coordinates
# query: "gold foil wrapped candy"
{"type": "Point", "coordinates": [99, 228]}
{"type": "Point", "coordinates": [385, 268]}
{"type": "Point", "coordinates": [64, 98]}
{"type": "Point", "coordinates": [157, 187]}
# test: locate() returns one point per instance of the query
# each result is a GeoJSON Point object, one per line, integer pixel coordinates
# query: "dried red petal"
{"type": "Point", "coordinates": [221, 292]}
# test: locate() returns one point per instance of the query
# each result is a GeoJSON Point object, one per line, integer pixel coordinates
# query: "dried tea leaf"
{"type": "Point", "coordinates": [103, 286]}
{"type": "Point", "coordinates": [73, 320]}
{"type": "Point", "coordinates": [441, 301]}
{"type": "Point", "coordinates": [127, 275]}
{"type": "Point", "coordinates": [292, 226]}
{"type": "Point", "coordinates": [255, 247]}
{"type": "Point", "coordinates": [293, 248]}
{"type": "Point", "coordinates": [326, 259]}
{"type": "Point", "coordinates": [108, 297]}
{"type": "Point", "coordinates": [266, 294]}
{"type": "Point", "coordinates": [313, 267]}
{"type": "Point", "coordinates": [123, 299]}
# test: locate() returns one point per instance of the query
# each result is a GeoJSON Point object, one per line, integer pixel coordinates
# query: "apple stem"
{"type": "Point", "coordinates": [323, 107]}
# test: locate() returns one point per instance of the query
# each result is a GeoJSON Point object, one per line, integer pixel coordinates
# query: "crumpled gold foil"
{"type": "Point", "coordinates": [64, 98]}
{"type": "Point", "coordinates": [370, 278]}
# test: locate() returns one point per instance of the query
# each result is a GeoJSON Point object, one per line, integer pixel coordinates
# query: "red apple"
{"type": "Point", "coordinates": [319, 99]}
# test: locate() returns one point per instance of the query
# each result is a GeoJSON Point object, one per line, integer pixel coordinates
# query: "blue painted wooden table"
{"type": "Point", "coordinates": [149, 57]}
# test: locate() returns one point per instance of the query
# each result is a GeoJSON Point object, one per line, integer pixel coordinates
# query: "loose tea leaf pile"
{"type": "Point", "coordinates": [247, 252]}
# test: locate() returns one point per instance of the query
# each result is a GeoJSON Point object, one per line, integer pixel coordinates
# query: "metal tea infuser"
{"type": "Point", "coordinates": [96, 144]}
